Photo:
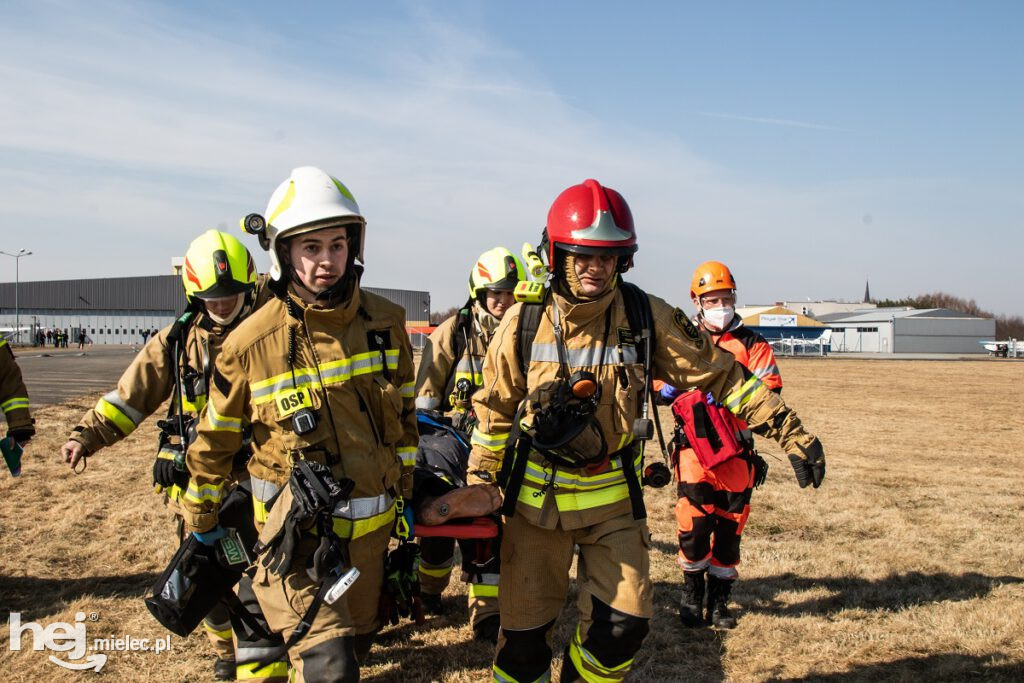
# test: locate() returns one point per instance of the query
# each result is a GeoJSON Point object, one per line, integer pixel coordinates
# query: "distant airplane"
{"type": "Point", "coordinates": [1005, 349]}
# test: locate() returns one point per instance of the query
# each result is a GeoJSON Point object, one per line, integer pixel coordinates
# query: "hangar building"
{"type": "Point", "coordinates": [116, 310]}
{"type": "Point", "coordinates": [908, 330]}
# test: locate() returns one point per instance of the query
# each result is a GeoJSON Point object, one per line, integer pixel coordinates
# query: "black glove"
{"type": "Point", "coordinates": [22, 435]}
{"type": "Point", "coordinates": [811, 468]}
{"type": "Point", "coordinates": [166, 474]}
{"type": "Point", "coordinates": [315, 493]}
{"type": "Point", "coordinates": [760, 469]}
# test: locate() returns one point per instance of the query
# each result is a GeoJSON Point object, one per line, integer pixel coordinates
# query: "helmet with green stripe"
{"type": "Point", "coordinates": [217, 265]}
{"type": "Point", "coordinates": [309, 200]}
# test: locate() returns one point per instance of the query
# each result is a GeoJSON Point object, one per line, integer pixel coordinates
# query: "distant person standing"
{"type": "Point", "coordinates": [49, 336]}
{"type": "Point", "coordinates": [145, 336]}
{"type": "Point", "coordinates": [81, 339]}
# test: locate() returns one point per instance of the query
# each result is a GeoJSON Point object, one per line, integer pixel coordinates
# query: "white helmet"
{"type": "Point", "coordinates": [311, 200]}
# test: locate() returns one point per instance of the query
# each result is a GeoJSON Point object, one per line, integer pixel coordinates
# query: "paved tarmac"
{"type": "Point", "coordinates": [56, 375]}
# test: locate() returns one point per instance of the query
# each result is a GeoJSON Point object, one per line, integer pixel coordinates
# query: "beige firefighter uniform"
{"type": "Point", "coordinates": [455, 351]}
{"type": "Point", "coordinates": [353, 366]}
{"type": "Point", "coordinates": [144, 386]}
{"type": "Point", "coordinates": [450, 354]}
{"type": "Point", "coordinates": [558, 507]}
{"type": "Point", "coordinates": [13, 394]}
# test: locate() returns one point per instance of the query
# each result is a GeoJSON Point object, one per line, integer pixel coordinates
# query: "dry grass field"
{"type": "Point", "coordinates": [906, 565]}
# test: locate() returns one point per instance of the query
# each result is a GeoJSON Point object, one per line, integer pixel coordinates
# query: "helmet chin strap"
{"type": "Point", "coordinates": [232, 317]}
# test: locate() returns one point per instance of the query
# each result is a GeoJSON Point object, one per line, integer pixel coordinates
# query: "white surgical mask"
{"type": "Point", "coordinates": [719, 318]}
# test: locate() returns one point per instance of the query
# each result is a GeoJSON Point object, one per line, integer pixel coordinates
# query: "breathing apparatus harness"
{"type": "Point", "coordinates": [573, 407]}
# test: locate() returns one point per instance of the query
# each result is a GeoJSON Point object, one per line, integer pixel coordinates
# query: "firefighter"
{"type": "Point", "coordinates": [563, 415]}
{"type": "Point", "coordinates": [14, 397]}
{"type": "Point", "coordinates": [324, 372]}
{"type": "Point", "coordinates": [714, 503]}
{"type": "Point", "coordinates": [448, 375]}
{"type": "Point", "coordinates": [220, 283]}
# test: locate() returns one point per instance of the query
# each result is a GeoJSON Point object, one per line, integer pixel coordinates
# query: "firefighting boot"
{"type": "Point", "coordinates": [469, 501]}
{"type": "Point", "coordinates": [432, 603]}
{"type": "Point", "coordinates": [718, 603]}
{"type": "Point", "coordinates": [224, 669]}
{"type": "Point", "coordinates": [691, 605]}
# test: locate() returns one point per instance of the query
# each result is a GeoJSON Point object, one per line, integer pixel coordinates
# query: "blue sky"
{"type": "Point", "coordinates": [807, 144]}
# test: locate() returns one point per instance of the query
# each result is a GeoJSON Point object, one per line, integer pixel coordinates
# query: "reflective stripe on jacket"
{"type": "Point", "coordinates": [13, 394]}
{"type": "Point", "coordinates": [353, 368]}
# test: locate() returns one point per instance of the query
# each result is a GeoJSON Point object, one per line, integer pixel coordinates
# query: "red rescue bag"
{"type": "Point", "coordinates": [707, 427]}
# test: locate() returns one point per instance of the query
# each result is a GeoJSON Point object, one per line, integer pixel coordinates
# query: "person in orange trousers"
{"type": "Point", "coordinates": [714, 503]}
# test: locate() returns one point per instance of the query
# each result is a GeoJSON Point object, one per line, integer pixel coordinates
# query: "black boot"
{"type": "Point", "coordinates": [224, 669]}
{"type": "Point", "coordinates": [569, 672]}
{"type": "Point", "coordinates": [487, 628]}
{"type": "Point", "coordinates": [691, 605]}
{"type": "Point", "coordinates": [432, 603]}
{"type": "Point", "coordinates": [718, 602]}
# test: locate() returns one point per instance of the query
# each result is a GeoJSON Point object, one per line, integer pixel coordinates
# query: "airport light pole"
{"type": "Point", "coordinates": [17, 310]}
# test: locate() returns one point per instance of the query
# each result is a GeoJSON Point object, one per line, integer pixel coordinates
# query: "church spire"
{"type": "Point", "coordinates": [867, 292]}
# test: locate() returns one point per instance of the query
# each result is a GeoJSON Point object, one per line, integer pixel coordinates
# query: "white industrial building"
{"type": "Point", "coordinates": [908, 330]}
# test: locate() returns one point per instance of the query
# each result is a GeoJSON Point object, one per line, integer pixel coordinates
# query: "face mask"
{"type": "Point", "coordinates": [719, 318]}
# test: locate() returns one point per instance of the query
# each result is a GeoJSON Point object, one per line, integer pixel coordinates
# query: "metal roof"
{"type": "Point", "coordinates": [887, 314]}
{"type": "Point", "coordinates": [151, 293]}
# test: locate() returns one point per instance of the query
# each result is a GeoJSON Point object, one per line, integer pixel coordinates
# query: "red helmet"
{"type": "Point", "coordinates": [590, 218]}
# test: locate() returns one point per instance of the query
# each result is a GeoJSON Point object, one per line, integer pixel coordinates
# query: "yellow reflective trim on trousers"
{"type": "Point", "coordinates": [492, 442]}
{"type": "Point", "coordinates": [247, 672]}
{"type": "Point", "coordinates": [739, 398]}
{"type": "Point", "coordinates": [223, 635]}
{"type": "Point", "coordinates": [585, 663]}
{"type": "Point", "coordinates": [499, 676]}
{"type": "Point", "coordinates": [112, 413]}
{"type": "Point", "coordinates": [437, 572]}
{"type": "Point", "coordinates": [220, 422]}
{"type": "Point", "coordinates": [286, 202]}
{"type": "Point", "coordinates": [3, 343]}
{"type": "Point", "coordinates": [408, 455]}
{"type": "Point", "coordinates": [408, 390]}
{"type": "Point", "coordinates": [482, 590]}
{"type": "Point", "coordinates": [346, 528]}
{"type": "Point", "coordinates": [14, 403]}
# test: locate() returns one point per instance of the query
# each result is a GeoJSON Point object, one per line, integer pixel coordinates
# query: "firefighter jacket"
{"type": "Point", "coordinates": [149, 381]}
{"type": "Point", "coordinates": [454, 351]}
{"type": "Point", "coordinates": [13, 394]}
{"type": "Point", "coordinates": [351, 365]}
{"type": "Point", "coordinates": [682, 356]}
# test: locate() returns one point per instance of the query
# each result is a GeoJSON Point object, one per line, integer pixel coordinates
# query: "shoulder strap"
{"type": "Point", "coordinates": [641, 320]}
{"type": "Point", "coordinates": [526, 332]}
{"type": "Point", "coordinates": [463, 328]}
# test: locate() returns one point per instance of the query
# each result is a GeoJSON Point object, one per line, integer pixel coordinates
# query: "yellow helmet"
{"type": "Point", "coordinates": [217, 265]}
{"type": "Point", "coordinates": [496, 269]}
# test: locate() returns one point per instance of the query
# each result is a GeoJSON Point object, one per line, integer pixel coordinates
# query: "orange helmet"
{"type": "Point", "coordinates": [711, 276]}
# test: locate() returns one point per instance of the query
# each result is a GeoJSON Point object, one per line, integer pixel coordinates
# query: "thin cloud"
{"type": "Point", "coordinates": [773, 122]}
